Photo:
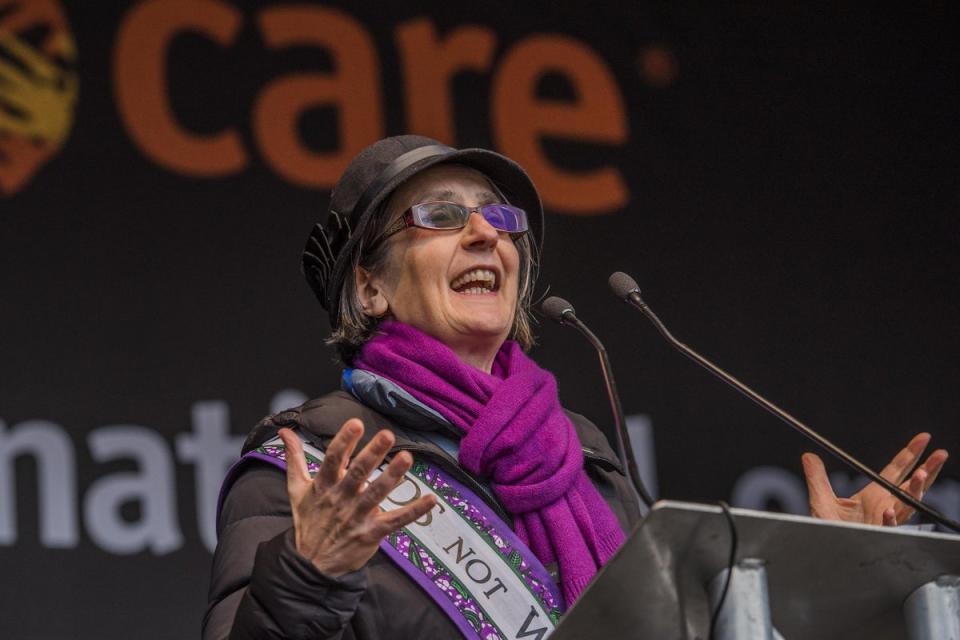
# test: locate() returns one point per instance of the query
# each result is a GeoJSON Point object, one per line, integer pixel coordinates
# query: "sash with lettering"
{"type": "Point", "coordinates": [462, 554]}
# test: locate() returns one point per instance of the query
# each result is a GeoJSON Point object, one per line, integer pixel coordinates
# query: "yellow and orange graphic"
{"type": "Point", "coordinates": [38, 87]}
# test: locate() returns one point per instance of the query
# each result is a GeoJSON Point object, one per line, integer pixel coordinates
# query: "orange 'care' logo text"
{"type": "Point", "coordinates": [430, 60]}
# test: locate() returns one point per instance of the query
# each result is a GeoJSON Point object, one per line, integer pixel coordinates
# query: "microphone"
{"type": "Point", "coordinates": [625, 288]}
{"type": "Point", "coordinates": [562, 312]}
{"type": "Point", "coordinates": [558, 310]}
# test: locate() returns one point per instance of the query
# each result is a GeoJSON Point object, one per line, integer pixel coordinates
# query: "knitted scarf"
{"type": "Point", "coordinates": [517, 436]}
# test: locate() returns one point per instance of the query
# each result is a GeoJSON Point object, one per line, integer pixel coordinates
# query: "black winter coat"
{"type": "Point", "coordinates": [261, 587]}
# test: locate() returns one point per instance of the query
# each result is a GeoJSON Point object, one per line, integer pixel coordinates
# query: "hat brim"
{"type": "Point", "coordinates": [506, 175]}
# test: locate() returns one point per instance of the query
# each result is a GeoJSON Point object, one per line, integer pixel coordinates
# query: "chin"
{"type": "Point", "coordinates": [487, 327]}
{"type": "Point", "coordinates": [482, 316]}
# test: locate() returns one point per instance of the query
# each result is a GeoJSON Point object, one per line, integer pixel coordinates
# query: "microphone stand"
{"type": "Point", "coordinates": [563, 313]}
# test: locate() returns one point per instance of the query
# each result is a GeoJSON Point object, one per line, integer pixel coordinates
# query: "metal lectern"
{"type": "Point", "coordinates": [796, 578]}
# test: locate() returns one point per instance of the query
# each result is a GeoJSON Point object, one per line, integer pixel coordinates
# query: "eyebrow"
{"type": "Point", "coordinates": [483, 197]}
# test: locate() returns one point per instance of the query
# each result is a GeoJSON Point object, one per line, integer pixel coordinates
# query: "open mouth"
{"type": "Point", "coordinates": [475, 282]}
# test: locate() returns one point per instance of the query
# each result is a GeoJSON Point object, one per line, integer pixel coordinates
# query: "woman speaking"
{"type": "Point", "coordinates": [444, 491]}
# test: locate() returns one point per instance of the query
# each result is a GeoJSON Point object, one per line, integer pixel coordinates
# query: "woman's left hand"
{"type": "Point", "coordinates": [873, 504]}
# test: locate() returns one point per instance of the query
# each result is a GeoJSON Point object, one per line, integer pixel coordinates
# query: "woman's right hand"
{"type": "Point", "coordinates": [336, 518]}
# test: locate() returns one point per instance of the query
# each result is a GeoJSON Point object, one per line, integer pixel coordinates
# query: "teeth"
{"type": "Point", "coordinates": [475, 290]}
{"type": "Point", "coordinates": [485, 277]}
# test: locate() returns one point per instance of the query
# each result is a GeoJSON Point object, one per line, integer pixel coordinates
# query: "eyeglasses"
{"type": "Point", "coordinates": [450, 215]}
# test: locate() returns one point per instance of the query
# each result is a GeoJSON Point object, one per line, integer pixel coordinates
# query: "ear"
{"type": "Point", "coordinates": [371, 294]}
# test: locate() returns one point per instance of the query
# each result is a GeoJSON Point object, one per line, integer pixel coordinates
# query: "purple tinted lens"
{"type": "Point", "coordinates": [450, 215]}
{"type": "Point", "coordinates": [505, 217]}
{"type": "Point", "coordinates": [440, 215]}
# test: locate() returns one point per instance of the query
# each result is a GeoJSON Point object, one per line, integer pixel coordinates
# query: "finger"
{"type": "Point", "coordinates": [374, 494]}
{"type": "Point", "coordinates": [915, 486]}
{"type": "Point", "coordinates": [366, 461]}
{"type": "Point", "coordinates": [338, 453]}
{"type": "Point", "coordinates": [889, 517]}
{"type": "Point", "coordinates": [896, 472]}
{"type": "Point", "coordinates": [298, 476]}
{"type": "Point", "coordinates": [392, 520]}
{"type": "Point", "coordinates": [917, 483]}
{"type": "Point", "coordinates": [933, 465]}
{"type": "Point", "coordinates": [818, 485]}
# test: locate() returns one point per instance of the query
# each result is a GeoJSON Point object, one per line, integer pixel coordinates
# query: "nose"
{"type": "Point", "coordinates": [478, 233]}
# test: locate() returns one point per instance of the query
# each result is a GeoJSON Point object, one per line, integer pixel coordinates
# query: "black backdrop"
{"type": "Point", "coordinates": [792, 178]}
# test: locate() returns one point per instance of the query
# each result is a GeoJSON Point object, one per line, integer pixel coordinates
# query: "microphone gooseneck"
{"type": "Point", "coordinates": [625, 288]}
{"type": "Point", "coordinates": [562, 312]}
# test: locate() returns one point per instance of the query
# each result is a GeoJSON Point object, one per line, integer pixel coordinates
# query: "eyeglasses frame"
{"type": "Point", "coordinates": [406, 220]}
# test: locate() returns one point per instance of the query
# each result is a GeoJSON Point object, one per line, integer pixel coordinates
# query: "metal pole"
{"type": "Point", "coordinates": [933, 610]}
{"type": "Point", "coordinates": [745, 614]}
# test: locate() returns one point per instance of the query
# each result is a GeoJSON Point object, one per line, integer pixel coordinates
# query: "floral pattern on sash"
{"type": "Point", "coordinates": [434, 478]}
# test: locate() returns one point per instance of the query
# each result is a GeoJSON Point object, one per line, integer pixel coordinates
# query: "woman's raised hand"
{"type": "Point", "coordinates": [874, 504]}
{"type": "Point", "coordinates": [336, 518]}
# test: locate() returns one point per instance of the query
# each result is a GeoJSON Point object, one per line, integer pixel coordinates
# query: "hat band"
{"type": "Point", "coordinates": [392, 170]}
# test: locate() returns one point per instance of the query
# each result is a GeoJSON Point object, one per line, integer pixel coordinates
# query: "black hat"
{"type": "Point", "coordinates": [368, 182]}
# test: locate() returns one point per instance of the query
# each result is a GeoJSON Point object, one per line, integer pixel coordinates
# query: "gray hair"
{"type": "Point", "coordinates": [357, 327]}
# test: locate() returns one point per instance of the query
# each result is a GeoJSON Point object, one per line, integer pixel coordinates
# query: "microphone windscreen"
{"type": "Point", "coordinates": [622, 285]}
{"type": "Point", "coordinates": [554, 308]}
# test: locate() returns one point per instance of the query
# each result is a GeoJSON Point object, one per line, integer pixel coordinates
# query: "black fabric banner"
{"type": "Point", "coordinates": [780, 179]}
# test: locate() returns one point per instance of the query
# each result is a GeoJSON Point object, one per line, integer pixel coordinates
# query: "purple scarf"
{"type": "Point", "coordinates": [517, 436]}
